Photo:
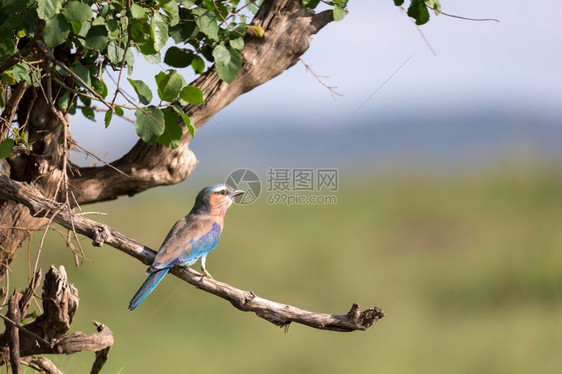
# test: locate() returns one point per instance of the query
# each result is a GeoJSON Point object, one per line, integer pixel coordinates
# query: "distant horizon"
{"type": "Point", "coordinates": [445, 139]}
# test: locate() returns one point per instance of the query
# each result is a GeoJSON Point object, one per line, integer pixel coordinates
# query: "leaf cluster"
{"type": "Point", "coordinates": [419, 9]}
{"type": "Point", "coordinates": [81, 39]}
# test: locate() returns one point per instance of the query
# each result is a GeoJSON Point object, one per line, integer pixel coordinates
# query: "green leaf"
{"type": "Point", "coordinates": [107, 118]}
{"type": "Point", "coordinates": [115, 52]}
{"type": "Point", "coordinates": [8, 78]}
{"type": "Point", "coordinates": [23, 138]}
{"type": "Point", "coordinates": [85, 100]}
{"type": "Point", "coordinates": [6, 147]}
{"type": "Point", "coordinates": [159, 31]}
{"type": "Point", "coordinates": [418, 11]}
{"type": "Point", "coordinates": [435, 5]}
{"type": "Point", "coordinates": [82, 72]}
{"type": "Point", "coordinates": [398, 2]}
{"type": "Point", "coordinates": [56, 30]}
{"type": "Point", "coordinates": [119, 110]}
{"type": "Point", "coordinates": [143, 91]}
{"type": "Point", "coordinates": [207, 23]}
{"type": "Point", "coordinates": [185, 118]}
{"type": "Point", "coordinates": [77, 11]}
{"type": "Point", "coordinates": [76, 27]}
{"type": "Point", "coordinates": [63, 101]}
{"type": "Point", "coordinates": [149, 123]}
{"type": "Point", "coordinates": [138, 11]}
{"type": "Point", "coordinates": [198, 64]}
{"type": "Point", "coordinates": [192, 95]}
{"type": "Point", "coordinates": [339, 13]}
{"type": "Point", "coordinates": [311, 4]}
{"type": "Point", "coordinates": [172, 132]}
{"type": "Point", "coordinates": [237, 43]}
{"type": "Point", "coordinates": [155, 58]}
{"type": "Point", "coordinates": [99, 21]}
{"type": "Point", "coordinates": [113, 29]}
{"type": "Point", "coordinates": [172, 11]}
{"type": "Point", "coordinates": [97, 38]}
{"type": "Point", "coordinates": [99, 86]}
{"type": "Point", "coordinates": [184, 31]}
{"type": "Point", "coordinates": [178, 57]}
{"type": "Point", "coordinates": [89, 113]}
{"type": "Point", "coordinates": [86, 26]}
{"type": "Point", "coordinates": [130, 60]}
{"type": "Point", "coordinates": [228, 62]}
{"type": "Point", "coordinates": [48, 8]}
{"type": "Point", "coordinates": [169, 85]}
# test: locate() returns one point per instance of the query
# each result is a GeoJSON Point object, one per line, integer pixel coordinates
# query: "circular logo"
{"type": "Point", "coordinates": [247, 180]}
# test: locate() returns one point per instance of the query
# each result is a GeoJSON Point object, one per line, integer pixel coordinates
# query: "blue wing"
{"type": "Point", "coordinates": [203, 245]}
{"type": "Point", "coordinates": [189, 239]}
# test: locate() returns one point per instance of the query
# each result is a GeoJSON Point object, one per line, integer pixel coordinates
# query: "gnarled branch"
{"type": "Point", "coordinates": [288, 27]}
{"type": "Point", "coordinates": [48, 333]}
{"type": "Point", "coordinates": [274, 312]}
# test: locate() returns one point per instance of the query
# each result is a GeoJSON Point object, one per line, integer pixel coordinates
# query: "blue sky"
{"type": "Point", "coordinates": [381, 65]}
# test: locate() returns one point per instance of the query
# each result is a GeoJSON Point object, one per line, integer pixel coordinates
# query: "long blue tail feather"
{"type": "Point", "coordinates": [149, 284]}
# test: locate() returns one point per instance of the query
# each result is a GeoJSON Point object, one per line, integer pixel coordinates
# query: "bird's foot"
{"type": "Point", "coordinates": [207, 274]}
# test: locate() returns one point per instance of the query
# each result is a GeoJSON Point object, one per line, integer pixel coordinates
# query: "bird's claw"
{"type": "Point", "coordinates": [208, 275]}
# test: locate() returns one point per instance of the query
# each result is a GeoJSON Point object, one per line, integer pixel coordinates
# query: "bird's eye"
{"type": "Point", "coordinates": [222, 192]}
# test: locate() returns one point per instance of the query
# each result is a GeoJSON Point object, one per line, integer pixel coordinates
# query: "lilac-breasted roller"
{"type": "Point", "coordinates": [191, 238]}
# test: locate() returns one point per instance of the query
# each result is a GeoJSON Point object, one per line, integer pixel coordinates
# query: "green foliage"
{"type": "Point", "coordinates": [6, 147]}
{"type": "Point", "coordinates": [149, 123]}
{"type": "Point", "coordinates": [169, 85]}
{"type": "Point", "coordinates": [339, 9]}
{"type": "Point", "coordinates": [192, 95]}
{"type": "Point", "coordinates": [86, 37]}
{"type": "Point", "coordinates": [78, 11]}
{"type": "Point", "coordinates": [419, 9]}
{"type": "Point", "coordinates": [172, 131]}
{"type": "Point", "coordinates": [143, 91]}
{"type": "Point", "coordinates": [228, 62]}
{"type": "Point", "coordinates": [97, 34]}
{"type": "Point", "coordinates": [56, 30]}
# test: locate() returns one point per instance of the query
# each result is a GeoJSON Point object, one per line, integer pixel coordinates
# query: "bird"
{"type": "Point", "coordinates": [191, 238]}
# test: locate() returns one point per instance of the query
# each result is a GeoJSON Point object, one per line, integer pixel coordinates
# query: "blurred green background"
{"type": "Point", "coordinates": [471, 264]}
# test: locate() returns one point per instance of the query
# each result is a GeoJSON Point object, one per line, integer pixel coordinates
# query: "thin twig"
{"type": "Point", "coordinates": [419, 31]}
{"type": "Point", "coordinates": [97, 158]}
{"type": "Point", "coordinates": [461, 17]}
{"type": "Point", "coordinates": [332, 89]}
{"type": "Point", "coordinates": [127, 118]}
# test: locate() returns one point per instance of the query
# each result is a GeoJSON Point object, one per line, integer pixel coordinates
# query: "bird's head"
{"type": "Point", "coordinates": [215, 200]}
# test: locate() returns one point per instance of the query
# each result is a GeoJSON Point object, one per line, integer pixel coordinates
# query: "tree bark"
{"type": "Point", "coordinates": [288, 28]}
{"type": "Point", "coordinates": [274, 312]}
{"type": "Point", "coordinates": [48, 333]}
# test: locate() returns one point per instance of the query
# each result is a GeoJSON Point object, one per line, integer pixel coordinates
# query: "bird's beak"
{"type": "Point", "coordinates": [237, 192]}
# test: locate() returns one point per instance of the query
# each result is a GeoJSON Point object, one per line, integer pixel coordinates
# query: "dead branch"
{"type": "Point", "coordinates": [41, 364]}
{"type": "Point", "coordinates": [10, 109]}
{"type": "Point", "coordinates": [13, 332]}
{"type": "Point", "coordinates": [274, 312]}
{"type": "Point", "coordinates": [332, 89]}
{"type": "Point", "coordinates": [48, 333]}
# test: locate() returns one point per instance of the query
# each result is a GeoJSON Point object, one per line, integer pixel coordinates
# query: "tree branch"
{"type": "Point", "coordinates": [288, 28]}
{"type": "Point", "coordinates": [41, 364]}
{"type": "Point", "coordinates": [48, 333]}
{"type": "Point", "coordinates": [274, 312]}
{"type": "Point", "coordinates": [13, 332]}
